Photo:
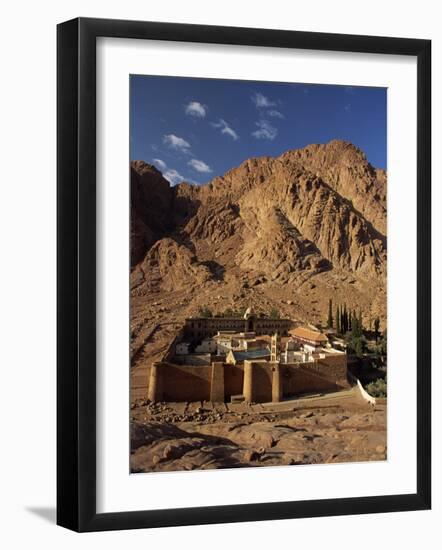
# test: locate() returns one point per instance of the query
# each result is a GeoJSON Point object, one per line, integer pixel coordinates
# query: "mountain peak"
{"type": "Point", "coordinates": [336, 150]}
{"type": "Point", "coordinates": [142, 167]}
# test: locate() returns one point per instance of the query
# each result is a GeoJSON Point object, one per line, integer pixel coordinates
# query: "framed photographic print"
{"type": "Point", "coordinates": [243, 274]}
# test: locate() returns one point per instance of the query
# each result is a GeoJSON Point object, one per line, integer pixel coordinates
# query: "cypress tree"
{"type": "Point", "coordinates": [330, 314]}
{"type": "Point", "coordinates": [354, 329]}
{"type": "Point", "coordinates": [377, 324]}
{"type": "Point", "coordinates": [338, 321]}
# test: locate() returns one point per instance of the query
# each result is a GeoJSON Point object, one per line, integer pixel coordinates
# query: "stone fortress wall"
{"type": "Point", "coordinates": [260, 381]}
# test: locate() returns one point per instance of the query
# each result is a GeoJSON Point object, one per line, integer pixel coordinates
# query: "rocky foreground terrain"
{"type": "Point", "coordinates": [285, 233]}
{"type": "Point", "coordinates": [188, 436]}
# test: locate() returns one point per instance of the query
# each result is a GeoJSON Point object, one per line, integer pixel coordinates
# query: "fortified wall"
{"type": "Point", "coordinates": [260, 381]}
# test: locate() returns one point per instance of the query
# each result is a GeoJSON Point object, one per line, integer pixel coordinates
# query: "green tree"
{"type": "Point", "coordinates": [378, 388]}
{"type": "Point", "coordinates": [205, 312]}
{"type": "Point", "coordinates": [356, 345]}
{"type": "Point", "coordinates": [338, 321]}
{"type": "Point", "coordinates": [330, 314]}
{"type": "Point", "coordinates": [345, 319]}
{"type": "Point", "coordinates": [377, 324]}
{"type": "Point", "coordinates": [383, 343]}
{"type": "Point", "coordinates": [356, 329]}
{"type": "Point", "coordinates": [359, 347]}
{"type": "Point", "coordinates": [274, 313]}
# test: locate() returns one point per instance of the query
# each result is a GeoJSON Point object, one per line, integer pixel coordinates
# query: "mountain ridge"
{"type": "Point", "coordinates": [285, 232]}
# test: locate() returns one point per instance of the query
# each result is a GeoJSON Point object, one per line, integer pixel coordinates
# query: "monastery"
{"type": "Point", "coordinates": [253, 359]}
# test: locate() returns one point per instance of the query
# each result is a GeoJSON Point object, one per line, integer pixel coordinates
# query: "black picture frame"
{"type": "Point", "coordinates": [76, 274]}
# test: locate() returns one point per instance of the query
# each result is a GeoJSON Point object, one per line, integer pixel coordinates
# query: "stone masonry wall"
{"type": "Point", "coordinates": [257, 381]}
{"type": "Point", "coordinates": [184, 383]}
{"type": "Point", "coordinates": [233, 380]}
{"type": "Point", "coordinates": [313, 377]}
{"type": "Point", "coordinates": [262, 382]}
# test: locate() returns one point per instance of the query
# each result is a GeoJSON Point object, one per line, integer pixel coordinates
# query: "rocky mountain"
{"type": "Point", "coordinates": [345, 168]}
{"type": "Point", "coordinates": [151, 199]}
{"type": "Point", "coordinates": [288, 233]}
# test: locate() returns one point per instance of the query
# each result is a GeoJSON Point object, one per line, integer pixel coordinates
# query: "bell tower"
{"type": "Point", "coordinates": [274, 350]}
{"type": "Point", "coordinates": [249, 318]}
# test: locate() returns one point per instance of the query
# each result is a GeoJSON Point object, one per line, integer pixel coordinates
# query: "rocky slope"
{"type": "Point", "coordinates": [286, 233]}
{"type": "Point", "coordinates": [345, 168]}
{"type": "Point", "coordinates": [151, 199]}
{"type": "Point", "coordinates": [171, 437]}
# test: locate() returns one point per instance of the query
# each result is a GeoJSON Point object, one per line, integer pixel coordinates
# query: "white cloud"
{"type": "Point", "coordinates": [199, 166]}
{"type": "Point", "coordinates": [160, 163]}
{"type": "Point", "coordinates": [261, 101]}
{"type": "Point", "coordinates": [194, 108]}
{"type": "Point", "coordinates": [173, 176]}
{"type": "Point", "coordinates": [176, 142]}
{"type": "Point", "coordinates": [275, 113]}
{"type": "Point", "coordinates": [170, 174]}
{"type": "Point", "coordinates": [226, 129]}
{"type": "Point", "coordinates": [265, 130]}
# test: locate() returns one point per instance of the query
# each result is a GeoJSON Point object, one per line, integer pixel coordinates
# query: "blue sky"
{"type": "Point", "coordinates": [195, 129]}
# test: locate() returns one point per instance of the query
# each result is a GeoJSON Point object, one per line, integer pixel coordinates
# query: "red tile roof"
{"type": "Point", "coordinates": [307, 334]}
